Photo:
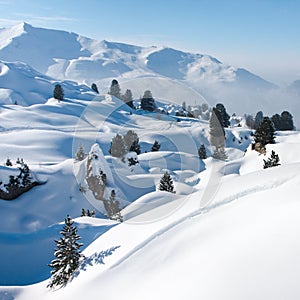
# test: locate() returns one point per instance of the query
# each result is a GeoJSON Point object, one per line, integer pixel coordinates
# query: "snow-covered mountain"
{"type": "Point", "coordinates": [64, 55]}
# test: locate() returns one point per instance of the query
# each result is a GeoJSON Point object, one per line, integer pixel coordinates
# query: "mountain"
{"type": "Point", "coordinates": [68, 56]}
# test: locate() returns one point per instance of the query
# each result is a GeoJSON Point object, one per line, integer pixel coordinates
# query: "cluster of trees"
{"type": "Point", "coordinates": [17, 184]}
{"type": "Point", "coordinates": [281, 122]}
{"type": "Point", "coordinates": [88, 213]}
{"type": "Point", "coordinates": [120, 145]}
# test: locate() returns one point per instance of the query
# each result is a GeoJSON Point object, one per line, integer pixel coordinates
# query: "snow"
{"type": "Point", "coordinates": [229, 232]}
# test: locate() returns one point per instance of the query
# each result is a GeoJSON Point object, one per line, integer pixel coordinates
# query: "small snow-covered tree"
{"type": "Point", "coordinates": [202, 152]}
{"type": "Point", "coordinates": [80, 154]}
{"type": "Point", "coordinates": [128, 98]}
{"type": "Point", "coordinates": [95, 179]}
{"type": "Point", "coordinates": [112, 207]}
{"type": "Point", "coordinates": [220, 154]}
{"type": "Point", "coordinates": [131, 141]}
{"type": "Point", "coordinates": [166, 183]}
{"type": "Point", "coordinates": [155, 146]}
{"type": "Point", "coordinates": [58, 92]}
{"type": "Point", "coordinates": [115, 89]}
{"type": "Point", "coordinates": [117, 146]}
{"type": "Point", "coordinates": [272, 161]}
{"type": "Point", "coordinates": [67, 255]}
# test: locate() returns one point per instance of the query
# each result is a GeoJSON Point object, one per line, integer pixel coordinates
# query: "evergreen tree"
{"type": "Point", "coordinates": [258, 119]}
{"type": "Point", "coordinates": [147, 102]}
{"type": "Point", "coordinates": [276, 119]}
{"type": "Point", "coordinates": [67, 255]}
{"type": "Point", "coordinates": [202, 152]}
{"type": "Point", "coordinates": [183, 105]}
{"type": "Point", "coordinates": [216, 130]}
{"type": "Point", "coordinates": [94, 88]}
{"type": "Point", "coordinates": [249, 121]}
{"type": "Point", "coordinates": [131, 141]}
{"type": "Point", "coordinates": [118, 147]}
{"type": "Point", "coordinates": [128, 98]}
{"type": "Point", "coordinates": [155, 146]}
{"type": "Point", "coordinates": [272, 161]}
{"type": "Point", "coordinates": [287, 121]}
{"type": "Point", "coordinates": [264, 133]}
{"type": "Point", "coordinates": [115, 89]}
{"type": "Point", "coordinates": [80, 155]}
{"type": "Point", "coordinates": [222, 115]}
{"type": "Point", "coordinates": [166, 183]}
{"type": "Point", "coordinates": [220, 154]}
{"type": "Point", "coordinates": [8, 163]}
{"type": "Point", "coordinates": [112, 207]}
{"type": "Point", "coordinates": [58, 92]}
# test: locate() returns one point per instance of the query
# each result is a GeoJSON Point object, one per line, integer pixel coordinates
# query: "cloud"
{"type": "Point", "coordinates": [43, 19]}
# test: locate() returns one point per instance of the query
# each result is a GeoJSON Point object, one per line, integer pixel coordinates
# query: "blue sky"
{"type": "Point", "coordinates": [261, 36]}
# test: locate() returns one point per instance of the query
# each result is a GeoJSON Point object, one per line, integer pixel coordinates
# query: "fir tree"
{"type": "Point", "coordinates": [166, 183]}
{"type": "Point", "coordinates": [112, 207]}
{"type": "Point", "coordinates": [155, 146]}
{"type": "Point", "coordinates": [131, 141]}
{"type": "Point", "coordinates": [216, 130]}
{"type": "Point", "coordinates": [80, 154]}
{"type": "Point", "coordinates": [147, 102]}
{"type": "Point", "coordinates": [264, 133]}
{"type": "Point", "coordinates": [258, 119]}
{"type": "Point", "coordinates": [276, 119]}
{"type": "Point", "coordinates": [94, 88]}
{"type": "Point", "coordinates": [220, 154]}
{"type": "Point", "coordinates": [115, 89]}
{"type": "Point", "coordinates": [8, 163]}
{"type": "Point", "coordinates": [287, 121]}
{"type": "Point", "coordinates": [67, 255]}
{"type": "Point", "coordinates": [222, 115]}
{"type": "Point", "coordinates": [202, 152]}
{"type": "Point", "coordinates": [118, 147]}
{"type": "Point", "coordinates": [58, 92]}
{"type": "Point", "coordinates": [272, 161]}
{"type": "Point", "coordinates": [128, 98]}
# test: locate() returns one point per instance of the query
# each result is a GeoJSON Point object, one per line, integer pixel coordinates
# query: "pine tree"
{"type": "Point", "coordinates": [115, 89]}
{"type": "Point", "coordinates": [258, 119]}
{"type": "Point", "coordinates": [58, 92]}
{"type": "Point", "coordinates": [67, 255]}
{"type": "Point", "coordinates": [112, 207]}
{"type": "Point", "coordinates": [202, 152]}
{"type": "Point", "coordinates": [287, 121]}
{"type": "Point", "coordinates": [264, 133]}
{"type": "Point", "coordinates": [131, 141]}
{"type": "Point", "coordinates": [222, 115]}
{"type": "Point", "coordinates": [220, 154]}
{"type": "Point", "coordinates": [216, 130]}
{"type": "Point", "coordinates": [276, 119]}
{"type": "Point", "coordinates": [118, 147]}
{"type": "Point", "coordinates": [94, 88]}
{"type": "Point", "coordinates": [147, 102]}
{"type": "Point", "coordinates": [8, 163]}
{"type": "Point", "coordinates": [80, 154]}
{"type": "Point", "coordinates": [272, 161]}
{"type": "Point", "coordinates": [128, 98]}
{"type": "Point", "coordinates": [155, 146]}
{"type": "Point", "coordinates": [166, 183]}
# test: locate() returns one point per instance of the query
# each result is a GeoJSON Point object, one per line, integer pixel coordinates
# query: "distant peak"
{"type": "Point", "coordinates": [22, 27]}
